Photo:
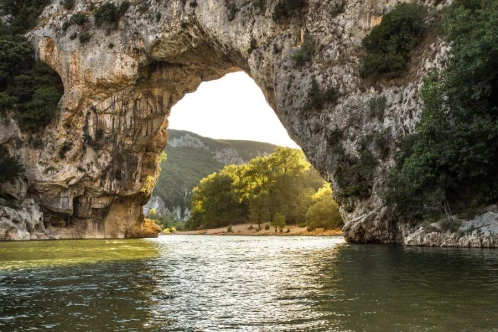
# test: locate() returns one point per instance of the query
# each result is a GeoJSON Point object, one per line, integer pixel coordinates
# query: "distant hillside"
{"type": "Point", "coordinates": [190, 158]}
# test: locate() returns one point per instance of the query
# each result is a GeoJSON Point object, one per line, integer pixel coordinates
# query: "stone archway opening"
{"type": "Point", "coordinates": [122, 81]}
{"type": "Point", "coordinates": [209, 129]}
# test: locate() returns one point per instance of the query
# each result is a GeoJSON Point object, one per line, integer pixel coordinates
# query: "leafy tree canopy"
{"type": "Point", "coordinates": [452, 162]}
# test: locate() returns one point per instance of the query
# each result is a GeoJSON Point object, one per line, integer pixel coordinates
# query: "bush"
{"type": "Point", "coordinates": [85, 37]}
{"type": "Point", "coordinates": [21, 16]}
{"type": "Point", "coordinates": [338, 9]}
{"type": "Point", "coordinates": [231, 11]}
{"type": "Point", "coordinates": [355, 175]}
{"type": "Point", "coordinates": [229, 229]}
{"type": "Point", "coordinates": [78, 19]}
{"type": "Point", "coordinates": [123, 8]}
{"type": "Point", "coordinates": [377, 106]}
{"type": "Point", "coordinates": [317, 98]}
{"type": "Point", "coordinates": [267, 227]}
{"type": "Point", "coordinates": [278, 221]}
{"type": "Point", "coordinates": [306, 52]}
{"type": "Point", "coordinates": [259, 5]}
{"type": "Point", "coordinates": [451, 164]}
{"type": "Point", "coordinates": [10, 168]}
{"type": "Point", "coordinates": [287, 8]}
{"type": "Point", "coordinates": [389, 44]}
{"type": "Point", "coordinates": [252, 46]}
{"type": "Point", "coordinates": [68, 4]}
{"type": "Point", "coordinates": [107, 13]}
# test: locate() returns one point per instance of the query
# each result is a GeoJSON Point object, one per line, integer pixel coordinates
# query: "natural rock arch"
{"type": "Point", "coordinates": [122, 83]}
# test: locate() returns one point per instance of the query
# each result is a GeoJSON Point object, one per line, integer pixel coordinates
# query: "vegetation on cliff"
{"type": "Point", "coordinates": [28, 89]}
{"type": "Point", "coordinates": [389, 44]}
{"type": "Point", "coordinates": [10, 168]}
{"type": "Point", "coordinates": [451, 163]}
{"type": "Point", "coordinates": [281, 188]}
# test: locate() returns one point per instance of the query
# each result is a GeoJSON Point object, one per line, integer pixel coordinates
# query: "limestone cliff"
{"type": "Point", "coordinates": [94, 167]}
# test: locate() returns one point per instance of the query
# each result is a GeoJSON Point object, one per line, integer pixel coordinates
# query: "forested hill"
{"type": "Point", "coordinates": [191, 157]}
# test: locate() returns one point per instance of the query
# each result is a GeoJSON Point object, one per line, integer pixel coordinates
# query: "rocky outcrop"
{"type": "Point", "coordinates": [94, 167]}
{"type": "Point", "coordinates": [22, 222]}
{"type": "Point", "coordinates": [479, 232]}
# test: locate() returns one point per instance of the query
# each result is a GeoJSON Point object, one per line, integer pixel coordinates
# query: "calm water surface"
{"type": "Point", "coordinates": [209, 283]}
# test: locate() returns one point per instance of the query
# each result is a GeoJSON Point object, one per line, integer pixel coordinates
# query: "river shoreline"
{"type": "Point", "coordinates": [246, 229]}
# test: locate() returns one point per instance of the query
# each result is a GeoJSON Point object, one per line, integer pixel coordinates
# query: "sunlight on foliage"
{"type": "Point", "coordinates": [276, 189]}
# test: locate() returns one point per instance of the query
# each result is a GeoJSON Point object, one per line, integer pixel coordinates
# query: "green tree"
{"type": "Point", "coordinates": [278, 221]}
{"type": "Point", "coordinates": [10, 168]}
{"type": "Point", "coordinates": [215, 202]}
{"type": "Point", "coordinates": [452, 162]}
{"type": "Point", "coordinates": [152, 214]}
{"type": "Point", "coordinates": [389, 44]}
{"type": "Point", "coordinates": [259, 209]}
{"type": "Point", "coordinates": [324, 212]}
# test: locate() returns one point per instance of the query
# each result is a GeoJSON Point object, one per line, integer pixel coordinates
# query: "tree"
{"type": "Point", "coordinates": [451, 164]}
{"type": "Point", "coordinates": [259, 210]}
{"type": "Point", "coordinates": [152, 214]}
{"type": "Point", "coordinates": [278, 221]}
{"type": "Point", "coordinates": [324, 213]}
{"type": "Point", "coordinates": [10, 168]}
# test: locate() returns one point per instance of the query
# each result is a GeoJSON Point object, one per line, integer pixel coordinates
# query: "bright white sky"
{"type": "Point", "coordinates": [232, 107]}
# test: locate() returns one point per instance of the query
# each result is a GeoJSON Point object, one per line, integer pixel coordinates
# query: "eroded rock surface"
{"type": "Point", "coordinates": [93, 168]}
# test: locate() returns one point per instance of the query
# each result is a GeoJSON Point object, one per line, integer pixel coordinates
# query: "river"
{"type": "Point", "coordinates": [223, 283]}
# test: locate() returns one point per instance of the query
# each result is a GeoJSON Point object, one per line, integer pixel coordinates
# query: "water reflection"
{"type": "Point", "coordinates": [413, 289]}
{"type": "Point", "coordinates": [245, 283]}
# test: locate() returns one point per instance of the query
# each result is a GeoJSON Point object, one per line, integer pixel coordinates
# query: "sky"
{"type": "Point", "coordinates": [232, 107]}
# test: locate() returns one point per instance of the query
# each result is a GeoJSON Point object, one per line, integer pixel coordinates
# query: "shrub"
{"type": "Point", "coordinates": [38, 112]}
{"type": "Point", "coordinates": [317, 98]}
{"type": "Point", "coordinates": [355, 176]}
{"type": "Point", "coordinates": [267, 227]}
{"type": "Point", "coordinates": [85, 37]}
{"type": "Point", "coordinates": [68, 4]}
{"type": "Point", "coordinates": [389, 44]}
{"type": "Point", "coordinates": [451, 164]}
{"type": "Point", "coordinates": [107, 13]}
{"type": "Point", "coordinates": [231, 11]}
{"type": "Point", "coordinates": [253, 45]}
{"type": "Point", "coordinates": [377, 106]}
{"type": "Point", "coordinates": [78, 19]}
{"type": "Point", "coordinates": [123, 8]}
{"type": "Point", "coordinates": [21, 16]}
{"type": "Point", "coordinates": [278, 221]}
{"type": "Point", "coordinates": [305, 52]}
{"type": "Point", "coordinates": [449, 225]}
{"type": "Point", "coordinates": [338, 9]}
{"type": "Point", "coordinates": [229, 229]}
{"type": "Point", "coordinates": [10, 168]}
{"type": "Point", "coordinates": [259, 5]}
{"type": "Point", "coordinates": [287, 8]}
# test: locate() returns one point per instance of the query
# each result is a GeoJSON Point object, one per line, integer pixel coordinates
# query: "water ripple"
{"type": "Point", "coordinates": [199, 283]}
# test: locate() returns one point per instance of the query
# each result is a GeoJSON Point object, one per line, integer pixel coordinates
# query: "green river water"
{"type": "Point", "coordinates": [235, 283]}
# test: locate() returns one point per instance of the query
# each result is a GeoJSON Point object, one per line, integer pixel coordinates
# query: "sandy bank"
{"type": "Point", "coordinates": [244, 229]}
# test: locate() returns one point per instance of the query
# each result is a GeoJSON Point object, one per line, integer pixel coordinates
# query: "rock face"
{"type": "Point", "coordinates": [93, 169]}
{"type": "Point", "coordinates": [23, 222]}
{"type": "Point", "coordinates": [479, 232]}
